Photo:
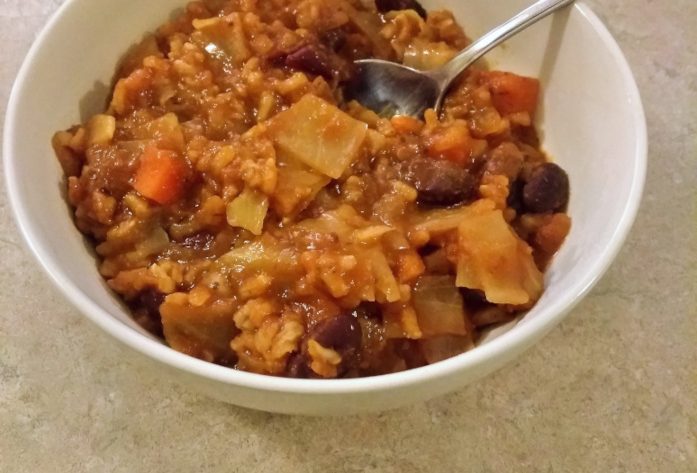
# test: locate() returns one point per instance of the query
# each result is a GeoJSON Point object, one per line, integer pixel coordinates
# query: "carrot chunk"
{"type": "Point", "coordinates": [161, 175]}
{"type": "Point", "coordinates": [512, 93]}
{"type": "Point", "coordinates": [453, 143]}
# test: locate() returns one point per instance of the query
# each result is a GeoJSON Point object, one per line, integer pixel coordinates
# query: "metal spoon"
{"type": "Point", "coordinates": [391, 89]}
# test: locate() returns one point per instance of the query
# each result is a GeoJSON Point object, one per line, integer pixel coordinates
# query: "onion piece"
{"type": "Point", "coordinates": [493, 259]}
{"type": "Point", "coordinates": [439, 306]}
{"type": "Point", "coordinates": [248, 211]}
{"type": "Point", "coordinates": [444, 220]}
{"type": "Point", "coordinates": [260, 255]}
{"type": "Point", "coordinates": [385, 282]}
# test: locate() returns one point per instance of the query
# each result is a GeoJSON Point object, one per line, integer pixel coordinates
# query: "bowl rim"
{"type": "Point", "coordinates": [520, 337]}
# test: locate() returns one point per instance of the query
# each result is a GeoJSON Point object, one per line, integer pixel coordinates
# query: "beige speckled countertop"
{"type": "Point", "coordinates": [613, 389]}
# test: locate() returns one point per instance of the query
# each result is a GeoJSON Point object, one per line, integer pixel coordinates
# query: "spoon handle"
{"type": "Point", "coordinates": [501, 33]}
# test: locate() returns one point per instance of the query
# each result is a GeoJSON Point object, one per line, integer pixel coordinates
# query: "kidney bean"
{"type": "Point", "coordinates": [151, 299]}
{"type": "Point", "coordinates": [311, 58]}
{"type": "Point", "coordinates": [147, 307]}
{"type": "Point", "coordinates": [334, 39]}
{"type": "Point", "coordinates": [515, 196]}
{"type": "Point", "coordinates": [385, 6]}
{"type": "Point", "coordinates": [474, 299]}
{"type": "Point", "coordinates": [370, 310]}
{"type": "Point", "coordinates": [298, 367]}
{"type": "Point", "coordinates": [547, 189]}
{"type": "Point", "coordinates": [341, 333]}
{"type": "Point", "coordinates": [439, 182]}
{"type": "Point", "coordinates": [505, 160]}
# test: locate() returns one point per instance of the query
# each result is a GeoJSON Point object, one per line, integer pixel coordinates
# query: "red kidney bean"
{"type": "Point", "coordinates": [547, 189]}
{"type": "Point", "coordinates": [334, 39]}
{"type": "Point", "coordinates": [298, 367]}
{"type": "Point", "coordinates": [341, 333]}
{"type": "Point", "coordinates": [311, 58]}
{"type": "Point", "coordinates": [147, 307]}
{"type": "Point", "coordinates": [439, 182]}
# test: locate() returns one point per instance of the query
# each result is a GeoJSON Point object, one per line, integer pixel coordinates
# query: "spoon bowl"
{"type": "Point", "coordinates": [389, 88]}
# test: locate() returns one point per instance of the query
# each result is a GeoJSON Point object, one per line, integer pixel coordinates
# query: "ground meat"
{"type": "Point", "coordinates": [547, 190]}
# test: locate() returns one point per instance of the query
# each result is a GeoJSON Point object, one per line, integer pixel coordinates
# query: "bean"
{"type": "Point", "coordinates": [311, 58]}
{"type": "Point", "coordinates": [151, 299]}
{"type": "Point", "coordinates": [439, 182]}
{"type": "Point", "coordinates": [334, 39]}
{"type": "Point", "coordinates": [474, 299]}
{"type": "Point", "coordinates": [370, 310]}
{"type": "Point", "coordinates": [505, 160]}
{"type": "Point", "coordinates": [298, 367]}
{"type": "Point", "coordinates": [515, 196]}
{"type": "Point", "coordinates": [341, 333]}
{"type": "Point", "coordinates": [547, 190]}
{"type": "Point", "coordinates": [385, 6]}
{"type": "Point", "coordinates": [147, 309]}
{"type": "Point", "coordinates": [491, 315]}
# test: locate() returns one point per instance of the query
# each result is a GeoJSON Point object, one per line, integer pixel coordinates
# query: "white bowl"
{"type": "Point", "coordinates": [592, 122]}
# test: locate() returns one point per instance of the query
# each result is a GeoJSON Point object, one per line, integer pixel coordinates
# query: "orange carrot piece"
{"type": "Point", "coordinates": [161, 175]}
{"type": "Point", "coordinates": [453, 143]}
{"type": "Point", "coordinates": [404, 124]}
{"type": "Point", "coordinates": [512, 93]}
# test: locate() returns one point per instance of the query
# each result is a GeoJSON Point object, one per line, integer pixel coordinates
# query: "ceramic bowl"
{"type": "Point", "coordinates": [591, 120]}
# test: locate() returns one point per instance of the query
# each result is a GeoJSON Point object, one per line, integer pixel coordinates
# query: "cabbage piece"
{"type": "Point", "coordinates": [385, 282]}
{"type": "Point", "coordinates": [319, 135]}
{"type": "Point", "coordinates": [327, 224]}
{"type": "Point", "coordinates": [156, 242]}
{"type": "Point", "coordinates": [260, 255]}
{"type": "Point", "coordinates": [248, 211]}
{"type": "Point", "coordinates": [369, 24]}
{"type": "Point", "coordinates": [425, 55]}
{"type": "Point", "coordinates": [439, 306]}
{"type": "Point", "coordinates": [296, 187]}
{"type": "Point", "coordinates": [341, 222]}
{"type": "Point", "coordinates": [203, 332]}
{"type": "Point", "coordinates": [223, 38]}
{"type": "Point", "coordinates": [444, 220]}
{"type": "Point", "coordinates": [100, 129]}
{"type": "Point", "coordinates": [493, 259]}
{"type": "Point", "coordinates": [166, 131]}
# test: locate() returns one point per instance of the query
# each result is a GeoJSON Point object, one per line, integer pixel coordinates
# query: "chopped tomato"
{"type": "Point", "coordinates": [512, 93]}
{"type": "Point", "coordinates": [161, 175]}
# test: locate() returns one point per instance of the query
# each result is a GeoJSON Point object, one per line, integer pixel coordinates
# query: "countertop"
{"type": "Point", "coordinates": [612, 389]}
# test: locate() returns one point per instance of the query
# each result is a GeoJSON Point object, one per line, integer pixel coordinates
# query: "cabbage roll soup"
{"type": "Point", "coordinates": [252, 216]}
